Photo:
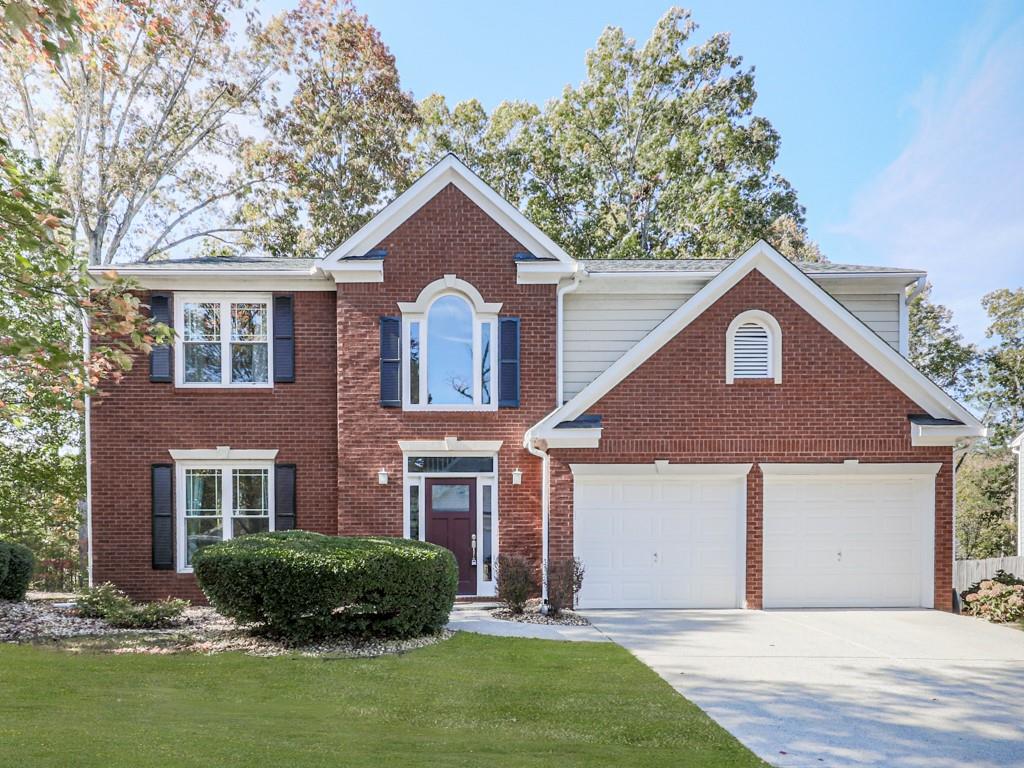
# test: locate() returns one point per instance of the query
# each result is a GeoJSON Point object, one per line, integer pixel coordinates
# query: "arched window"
{"type": "Point", "coordinates": [450, 335]}
{"type": "Point", "coordinates": [753, 347]}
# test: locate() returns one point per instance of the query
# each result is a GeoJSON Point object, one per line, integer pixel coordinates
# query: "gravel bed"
{"type": "Point", "coordinates": [200, 630]}
{"type": "Point", "coordinates": [532, 615]}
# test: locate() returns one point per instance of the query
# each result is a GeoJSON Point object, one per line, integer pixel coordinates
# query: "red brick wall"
{"type": "Point", "coordinates": [137, 422]}
{"type": "Point", "coordinates": [830, 406]}
{"type": "Point", "coordinates": [449, 235]}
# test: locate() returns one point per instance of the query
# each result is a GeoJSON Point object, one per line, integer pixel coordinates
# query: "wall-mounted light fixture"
{"type": "Point", "coordinates": [382, 476]}
{"type": "Point", "coordinates": [517, 476]}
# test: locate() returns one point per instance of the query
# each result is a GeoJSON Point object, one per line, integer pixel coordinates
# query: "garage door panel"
{"type": "Point", "coordinates": [866, 548]}
{"type": "Point", "coordinates": [677, 541]}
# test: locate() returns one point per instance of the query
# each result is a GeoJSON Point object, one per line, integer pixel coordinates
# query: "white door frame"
{"type": "Point", "coordinates": [921, 472]}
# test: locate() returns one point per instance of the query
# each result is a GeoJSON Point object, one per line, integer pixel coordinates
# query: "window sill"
{"type": "Point", "coordinates": [221, 388]}
{"type": "Point", "coordinates": [768, 381]}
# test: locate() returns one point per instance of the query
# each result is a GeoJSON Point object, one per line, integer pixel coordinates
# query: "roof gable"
{"type": "Point", "coordinates": [450, 170]}
{"type": "Point", "coordinates": [808, 296]}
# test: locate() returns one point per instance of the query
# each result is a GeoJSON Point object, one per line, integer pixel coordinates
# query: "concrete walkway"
{"type": "Point", "coordinates": [892, 688]}
{"type": "Point", "coordinates": [476, 617]}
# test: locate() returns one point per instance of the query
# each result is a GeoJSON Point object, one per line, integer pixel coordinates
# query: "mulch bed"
{"type": "Point", "coordinates": [200, 630]}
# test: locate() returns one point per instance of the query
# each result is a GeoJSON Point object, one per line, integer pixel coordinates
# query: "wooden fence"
{"type": "Point", "coordinates": [966, 572]}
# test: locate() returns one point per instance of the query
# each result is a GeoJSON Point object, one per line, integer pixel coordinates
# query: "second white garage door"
{"type": "Point", "coordinates": [659, 542]}
{"type": "Point", "coordinates": [861, 539]}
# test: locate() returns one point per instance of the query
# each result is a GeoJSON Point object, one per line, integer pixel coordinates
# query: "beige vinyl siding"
{"type": "Point", "coordinates": [879, 311]}
{"type": "Point", "coordinates": [601, 327]}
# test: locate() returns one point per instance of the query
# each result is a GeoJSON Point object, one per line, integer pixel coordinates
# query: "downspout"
{"type": "Point", "coordinates": [87, 346]}
{"type": "Point", "coordinates": [560, 333]}
{"type": "Point", "coordinates": [545, 508]}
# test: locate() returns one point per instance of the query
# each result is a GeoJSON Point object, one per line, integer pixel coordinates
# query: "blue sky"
{"type": "Point", "coordinates": [902, 122]}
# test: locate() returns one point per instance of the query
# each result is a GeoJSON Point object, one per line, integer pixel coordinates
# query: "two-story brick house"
{"type": "Point", "coordinates": [742, 432]}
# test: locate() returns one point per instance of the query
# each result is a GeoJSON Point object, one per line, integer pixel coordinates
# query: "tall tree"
{"type": "Point", "coordinates": [657, 153]}
{"type": "Point", "coordinates": [338, 147]}
{"type": "Point", "coordinates": [938, 349]}
{"type": "Point", "coordinates": [986, 505]}
{"type": "Point", "coordinates": [1002, 388]}
{"type": "Point", "coordinates": [141, 123]}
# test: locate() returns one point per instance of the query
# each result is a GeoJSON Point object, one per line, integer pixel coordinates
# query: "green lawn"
{"type": "Point", "coordinates": [471, 701]}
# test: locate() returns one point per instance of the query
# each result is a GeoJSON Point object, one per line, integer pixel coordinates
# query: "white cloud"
{"type": "Point", "coordinates": [953, 201]}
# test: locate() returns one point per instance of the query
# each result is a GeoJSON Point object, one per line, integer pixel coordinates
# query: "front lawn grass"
{"type": "Point", "coordinates": [470, 701]}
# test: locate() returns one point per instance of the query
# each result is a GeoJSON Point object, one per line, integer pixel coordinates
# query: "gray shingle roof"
{"type": "Point", "coordinates": [209, 263]}
{"type": "Point", "coordinates": [717, 265]}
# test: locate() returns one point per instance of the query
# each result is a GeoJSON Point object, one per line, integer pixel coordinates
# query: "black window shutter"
{"type": "Point", "coordinates": [391, 362]}
{"type": "Point", "coordinates": [163, 516]}
{"type": "Point", "coordinates": [508, 362]}
{"type": "Point", "coordinates": [160, 369]}
{"type": "Point", "coordinates": [284, 340]}
{"type": "Point", "coordinates": [284, 497]}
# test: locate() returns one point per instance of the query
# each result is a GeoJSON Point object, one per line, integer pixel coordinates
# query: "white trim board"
{"type": "Point", "coordinates": [812, 299]}
{"type": "Point", "coordinates": [851, 469]}
{"type": "Point", "coordinates": [222, 453]}
{"type": "Point", "coordinates": [662, 468]}
{"type": "Point", "coordinates": [449, 445]}
{"type": "Point", "coordinates": [451, 170]}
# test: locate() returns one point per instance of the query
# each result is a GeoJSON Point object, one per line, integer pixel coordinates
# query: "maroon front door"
{"type": "Point", "coordinates": [451, 523]}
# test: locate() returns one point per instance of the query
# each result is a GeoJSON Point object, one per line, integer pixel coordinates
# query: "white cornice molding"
{"type": "Point", "coordinates": [661, 468]}
{"type": "Point", "coordinates": [217, 279]}
{"type": "Point", "coordinates": [222, 453]}
{"type": "Point", "coordinates": [450, 445]}
{"type": "Point", "coordinates": [447, 285]}
{"type": "Point", "coordinates": [852, 469]}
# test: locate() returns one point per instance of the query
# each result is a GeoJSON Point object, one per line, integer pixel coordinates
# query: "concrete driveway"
{"type": "Point", "coordinates": [889, 688]}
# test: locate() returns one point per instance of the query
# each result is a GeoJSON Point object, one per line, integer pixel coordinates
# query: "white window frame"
{"type": "Point", "coordinates": [418, 480]}
{"type": "Point", "coordinates": [225, 300]}
{"type": "Point", "coordinates": [774, 331]}
{"type": "Point", "coordinates": [418, 312]}
{"type": "Point", "coordinates": [227, 499]}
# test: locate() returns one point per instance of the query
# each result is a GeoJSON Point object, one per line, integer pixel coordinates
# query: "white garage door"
{"type": "Point", "coordinates": [655, 542]}
{"type": "Point", "coordinates": [841, 541]}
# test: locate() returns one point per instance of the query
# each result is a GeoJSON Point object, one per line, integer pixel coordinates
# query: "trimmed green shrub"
{"type": "Point", "coordinates": [301, 586]}
{"type": "Point", "coordinates": [516, 581]}
{"type": "Point", "coordinates": [565, 579]}
{"type": "Point", "coordinates": [112, 605]}
{"type": "Point", "coordinates": [16, 565]}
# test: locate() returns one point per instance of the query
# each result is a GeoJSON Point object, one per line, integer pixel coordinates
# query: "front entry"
{"type": "Point", "coordinates": [451, 523]}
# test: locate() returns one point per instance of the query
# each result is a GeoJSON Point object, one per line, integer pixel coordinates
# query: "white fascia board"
{"type": "Point", "coordinates": [449, 445]}
{"type": "Point", "coordinates": [357, 271]}
{"type": "Point", "coordinates": [222, 453]}
{"type": "Point", "coordinates": [691, 282]}
{"type": "Point", "coordinates": [851, 469]}
{"type": "Point", "coordinates": [570, 438]}
{"type": "Point", "coordinates": [662, 469]}
{"type": "Point", "coordinates": [449, 170]}
{"type": "Point", "coordinates": [944, 434]}
{"type": "Point", "coordinates": [542, 272]}
{"type": "Point", "coordinates": [813, 299]}
{"type": "Point", "coordinates": [216, 279]}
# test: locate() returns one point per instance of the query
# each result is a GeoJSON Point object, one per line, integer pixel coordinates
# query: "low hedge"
{"type": "Point", "coordinates": [16, 565]}
{"type": "Point", "coordinates": [301, 586]}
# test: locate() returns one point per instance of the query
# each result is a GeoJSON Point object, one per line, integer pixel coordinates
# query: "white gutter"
{"type": "Point", "coordinates": [560, 333]}
{"type": "Point", "coordinates": [545, 508]}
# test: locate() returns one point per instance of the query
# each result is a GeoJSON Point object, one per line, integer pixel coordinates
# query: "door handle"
{"type": "Point", "coordinates": [655, 558]}
{"type": "Point", "coordinates": [839, 556]}
{"type": "Point", "coordinates": [472, 544]}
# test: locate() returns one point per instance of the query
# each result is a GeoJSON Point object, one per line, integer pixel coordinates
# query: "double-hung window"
{"type": "Point", "coordinates": [223, 341]}
{"type": "Point", "coordinates": [217, 502]}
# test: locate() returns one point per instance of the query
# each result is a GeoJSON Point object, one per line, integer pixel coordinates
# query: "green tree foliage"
{"type": "Point", "coordinates": [141, 123]}
{"type": "Point", "coordinates": [1002, 388]}
{"type": "Point", "coordinates": [938, 349]}
{"type": "Point", "coordinates": [986, 505]}
{"type": "Point", "coordinates": [656, 153]}
{"type": "Point", "coordinates": [338, 148]}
